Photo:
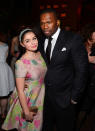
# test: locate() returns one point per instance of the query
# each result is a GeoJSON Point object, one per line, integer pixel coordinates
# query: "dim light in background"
{"type": "Point", "coordinates": [55, 6]}
{"type": "Point", "coordinates": [48, 6]}
{"type": "Point", "coordinates": [41, 7]}
{"type": "Point", "coordinates": [63, 15]}
{"type": "Point", "coordinates": [64, 5]}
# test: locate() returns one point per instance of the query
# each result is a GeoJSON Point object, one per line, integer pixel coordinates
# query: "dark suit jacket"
{"type": "Point", "coordinates": [67, 72]}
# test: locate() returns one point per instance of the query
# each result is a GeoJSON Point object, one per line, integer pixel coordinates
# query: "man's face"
{"type": "Point", "coordinates": [48, 23]}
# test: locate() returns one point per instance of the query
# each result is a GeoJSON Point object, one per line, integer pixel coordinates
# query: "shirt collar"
{"type": "Point", "coordinates": [55, 36]}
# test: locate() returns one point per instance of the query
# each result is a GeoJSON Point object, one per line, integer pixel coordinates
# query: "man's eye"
{"type": "Point", "coordinates": [48, 22]}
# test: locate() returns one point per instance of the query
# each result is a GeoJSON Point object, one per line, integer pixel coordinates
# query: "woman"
{"type": "Point", "coordinates": [88, 100]}
{"type": "Point", "coordinates": [30, 70]}
{"type": "Point", "coordinates": [14, 51]}
{"type": "Point", "coordinates": [6, 76]}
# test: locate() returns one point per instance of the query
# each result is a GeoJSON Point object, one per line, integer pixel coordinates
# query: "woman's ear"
{"type": "Point", "coordinates": [22, 44]}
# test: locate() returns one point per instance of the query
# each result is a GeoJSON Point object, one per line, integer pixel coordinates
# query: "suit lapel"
{"type": "Point", "coordinates": [59, 44]}
{"type": "Point", "coordinates": [41, 48]}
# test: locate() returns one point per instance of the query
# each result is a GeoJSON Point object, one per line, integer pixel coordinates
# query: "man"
{"type": "Point", "coordinates": [66, 75]}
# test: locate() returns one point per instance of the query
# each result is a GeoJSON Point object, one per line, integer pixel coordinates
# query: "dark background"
{"type": "Point", "coordinates": [76, 13]}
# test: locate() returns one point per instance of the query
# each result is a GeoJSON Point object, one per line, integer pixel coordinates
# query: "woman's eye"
{"type": "Point", "coordinates": [34, 38]}
{"type": "Point", "coordinates": [27, 41]}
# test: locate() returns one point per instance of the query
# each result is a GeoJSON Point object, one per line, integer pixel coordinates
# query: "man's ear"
{"type": "Point", "coordinates": [58, 22]}
{"type": "Point", "coordinates": [22, 44]}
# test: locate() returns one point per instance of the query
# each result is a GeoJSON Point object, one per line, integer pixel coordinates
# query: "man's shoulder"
{"type": "Point", "coordinates": [70, 35]}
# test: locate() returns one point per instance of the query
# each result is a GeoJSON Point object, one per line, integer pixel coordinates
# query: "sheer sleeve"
{"type": "Point", "coordinates": [20, 69]}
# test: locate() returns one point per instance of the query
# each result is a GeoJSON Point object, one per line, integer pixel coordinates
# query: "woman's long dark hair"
{"type": "Point", "coordinates": [31, 29]}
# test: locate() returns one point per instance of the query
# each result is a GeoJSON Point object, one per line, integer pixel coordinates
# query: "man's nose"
{"type": "Point", "coordinates": [45, 26]}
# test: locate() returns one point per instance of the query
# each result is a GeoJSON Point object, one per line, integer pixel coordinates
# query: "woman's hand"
{"type": "Point", "coordinates": [91, 59]}
{"type": "Point", "coordinates": [30, 116]}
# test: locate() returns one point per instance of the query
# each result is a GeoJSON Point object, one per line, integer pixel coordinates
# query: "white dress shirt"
{"type": "Point", "coordinates": [53, 42]}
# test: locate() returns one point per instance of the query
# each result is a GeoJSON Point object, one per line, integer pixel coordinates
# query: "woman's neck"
{"type": "Point", "coordinates": [30, 55]}
{"type": "Point", "coordinates": [31, 52]}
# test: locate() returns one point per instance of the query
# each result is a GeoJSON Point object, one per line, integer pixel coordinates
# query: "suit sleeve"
{"type": "Point", "coordinates": [80, 64]}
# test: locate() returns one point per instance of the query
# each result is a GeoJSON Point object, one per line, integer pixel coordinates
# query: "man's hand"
{"type": "Point", "coordinates": [73, 102]}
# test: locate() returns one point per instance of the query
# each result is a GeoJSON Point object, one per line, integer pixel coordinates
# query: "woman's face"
{"type": "Point", "coordinates": [30, 41]}
{"type": "Point", "coordinates": [93, 37]}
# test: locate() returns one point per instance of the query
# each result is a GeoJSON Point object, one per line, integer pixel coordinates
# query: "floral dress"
{"type": "Point", "coordinates": [34, 72]}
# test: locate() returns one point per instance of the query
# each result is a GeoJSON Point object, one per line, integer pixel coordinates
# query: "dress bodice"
{"type": "Point", "coordinates": [3, 52]}
{"type": "Point", "coordinates": [32, 70]}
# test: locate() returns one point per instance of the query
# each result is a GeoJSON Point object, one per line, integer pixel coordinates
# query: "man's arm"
{"type": "Point", "coordinates": [80, 64]}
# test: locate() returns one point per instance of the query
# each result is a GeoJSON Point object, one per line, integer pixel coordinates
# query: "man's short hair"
{"type": "Point", "coordinates": [49, 10]}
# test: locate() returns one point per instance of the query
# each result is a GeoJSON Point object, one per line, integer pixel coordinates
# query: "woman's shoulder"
{"type": "Point", "coordinates": [20, 61]}
{"type": "Point", "coordinates": [4, 45]}
{"type": "Point", "coordinates": [20, 64]}
{"type": "Point", "coordinates": [23, 61]}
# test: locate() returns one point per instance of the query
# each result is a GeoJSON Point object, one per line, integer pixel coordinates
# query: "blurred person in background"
{"type": "Point", "coordinates": [88, 100]}
{"type": "Point", "coordinates": [14, 46]}
{"type": "Point", "coordinates": [14, 50]}
{"type": "Point", "coordinates": [6, 76]}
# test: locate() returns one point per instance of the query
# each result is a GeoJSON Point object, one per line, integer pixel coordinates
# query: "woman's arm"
{"type": "Point", "coordinates": [22, 98]}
